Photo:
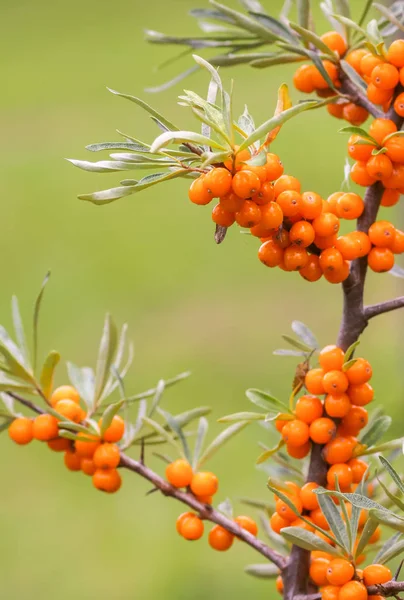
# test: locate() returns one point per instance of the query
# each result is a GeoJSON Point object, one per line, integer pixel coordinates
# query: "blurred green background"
{"type": "Point", "coordinates": [149, 260]}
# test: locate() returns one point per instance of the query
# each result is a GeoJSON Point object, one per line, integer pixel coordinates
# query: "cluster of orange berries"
{"type": "Point", "coordinates": [204, 486]}
{"type": "Point", "coordinates": [95, 456]}
{"type": "Point", "coordinates": [338, 578]}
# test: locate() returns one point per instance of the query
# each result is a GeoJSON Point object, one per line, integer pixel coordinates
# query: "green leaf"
{"type": "Point", "coordinates": [296, 343]}
{"type": "Point", "coordinates": [109, 413]}
{"type": "Point", "coordinates": [84, 381]}
{"type": "Point", "coordinates": [134, 146]}
{"type": "Point", "coordinates": [305, 334]}
{"type": "Point", "coordinates": [37, 308]}
{"type": "Point", "coordinates": [179, 137]}
{"type": "Point", "coordinates": [351, 129]}
{"type": "Point", "coordinates": [199, 441]}
{"type": "Point", "coordinates": [391, 445]}
{"type": "Point", "coordinates": [281, 30]}
{"type": "Point", "coordinates": [376, 431]}
{"type": "Point", "coordinates": [176, 428]}
{"type": "Point", "coordinates": [220, 440]}
{"type": "Point", "coordinates": [163, 433]}
{"type": "Point", "coordinates": [265, 400]}
{"type": "Point", "coordinates": [48, 371]}
{"type": "Point", "coordinates": [262, 571]}
{"type": "Point", "coordinates": [146, 107]}
{"type": "Point", "coordinates": [106, 353]}
{"type": "Point", "coordinates": [394, 499]}
{"type": "Point", "coordinates": [76, 427]}
{"type": "Point", "coordinates": [393, 547]}
{"type": "Point", "coordinates": [353, 76]}
{"type": "Point", "coordinates": [168, 383]}
{"type": "Point", "coordinates": [13, 357]}
{"type": "Point", "coordinates": [349, 353]}
{"type": "Point", "coordinates": [370, 527]}
{"type": "Point", "coordinates": [157, 397]}
{"type": "Point", "coordinates": [303, 12]}
{"type": "Point", "coordinates": [284, 352]}
{"type": "Point", "coordinates": [280, 58]}
{"type": "Point", "coordinates": [276, 121]}
{"type": "Point", "coordinates": [258, 160]}
{"type": "Point", "coordinates": [245, 22]}
{"type": "Point", "coordinates": [19, 330]}
{"type": "Point", "coordinates": [242, 416]}
{"type": "Point", "coordinates": [334, 520]}
{"type": "Point", "coordinates": [393, 473]}
{"type": "Point", "coordinates": [311, 38]}
{"type": "Point", "coordinates": [388, 519]}
{"type": "Point", "coordinates": [226, 508]}
{"type": "Point", "coordinates": [307, 540]}
{"type": "Point", "coordinates": [365, 12]}
{"type": "Point", "coordinates": [11, 385]}
{"type": "Point", "coordinates": [350, 24]}
{"type": "Point", "coordinates": [69, 435]}
{"type": "Point", "coordinates": [373, 33]}
{"type": "Point", "coordinates": [355, 499]}
{"type": "Point", "coordinates": [107, 166]}
{"type": "Point", "coordinates": [269, 453]}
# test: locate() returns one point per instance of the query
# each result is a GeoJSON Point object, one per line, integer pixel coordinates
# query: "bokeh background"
{"type": "Point", "coordinates": [150, 260]}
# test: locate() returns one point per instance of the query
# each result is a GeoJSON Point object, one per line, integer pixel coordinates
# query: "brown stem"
{"type": "Point", "coordinates": [355, 95]}
{"type": "Point", "coordinates": [26, 403]}
{"type": "Point", "coordinates": [378, 309]}
{"type": "Point", "coordinates": [389, 589]}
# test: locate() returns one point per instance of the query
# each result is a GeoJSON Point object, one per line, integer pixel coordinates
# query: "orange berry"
{"type": "Point", "coordinates": [336, 109]}
{"type": "Point", "coordinates": [308, 497]}
{"type": "Point", "coordinates": [377, 95]}
{"type": "Point", "coordinates": [308, 409]}
{"type": "Point", "coordinates": [290, 488]}
{"type": "Point", "coordinates": [398, 244]}
{"type": "Point", "coordinates": [286, 512]}
{"type": "Point", "coordinates": [330, 592]}
{"type": "Point", "coordinates": [218, 182]}
{"type": "Point", "coordinates": [323, 243]}
{"type": "Point", "coordinates": [337, 405]}
{"type": "Point", "coordinates": [354, 114]}
{"type": "Point", "coordinates": [179, 473]}
{"type": "Point", "coordinates": [260, 171]}
{"type": "Point", "coordinates": [326, 224]}
{"type": "Point", "coordinates": [107, 456]}
{"type": "Point", "coordinates": [399, 105]}
{"type": "Point", "coordinates": [355, 420]}
{"type": "Point", "coordinates": [332, 202]}
{"type": "Point", "coordinates": [311, 205]}
{"type": "Point", "coordinates": [72, 460]}
{"type": "Point", "coordinates": [314, 381]}
{"type": "Point", "coordinates": [65, 392]}
{"type": "Point", "coordinates": [279, 584]}
{"type": "Point", "coordinates": [381, 260]}
{"type": "Point", "coordinates": [331, 259]}
{"type": "Point", "coordinates": [270, 254]}
{"type": "Point", "coordinates": [280, 424]}
{"type": "Point", "coordinates": [298, 452]}
{"type": "Point", "coordinates": [318, 571]}
{"type": "Point", "coordinates": [382, 233]}
{"type": "Point", "coordinates": [350, 206]}
{"type": "Point", "coordinates": [390, 197]}
{"type": "Point", "coordinates": [271, 215]}
{"type": "Point", "coordinates": [249, 215]}
{"type": "Point", "coordinates": [302, 234]}
{"type": "Point", "coordinates": [302, 524]}
{"type": "Point", "coordinates": [319, 519]}
{"type": "Point", "coordinates": [337, 275]}
{"type": "Point", "coordinates": [335, 382]}
{"type": "Point", "coordinates": [338, 450]}
{"type": "Point", "coordinates": [379, 167]}
{"type": "Point", "coordinates": [358, 468]}
{"type": "Point", "coordinates": [247, 523]}
{"type": "Point", "coordinates": [395, 53]}
{"type": "Point", "coordinates": [181, 519]}
{"type": "Point", "coordinates": [107, 480]}
{"type": "Point", "coordinates": [335, 42]}
{"type": "Point", "coordinates": [205, 499]}
{"type": "Point", "coordinates": [340, 571]}
{"type": "Point", "coordinates": [303, 79]}
{"type": "Point", "coordinates": [343, 474]}
{"type": "Point", "coordinates": [69, 409]}
{"type": "Point", "coordinates": [368, 62]}
{"type": "Point", "coordinates": [220, 539]}
{"type": "Point", "coordinates": [286, 183]}
{"type": "Point", "coordinates": [381, 128]}
{"type": "Point", "coordinates": [277, 522]}
{"type": "Point", "coordinates": [396, 181]}
{"type": "Point", "coordinates": [246, 183]}
{"type": "Point", "coordinates": [385, 76]}
{"type": "Point", "coordinates": [204, 483]}
{"type": "Point", "coordinates": [274, 167]}
{"type": "Point", "coordinates": [290, 202]}
{"type": "Point", "coordinates": [361, 395]}
{"type": "Point", "coordinates": [359, 372]}
{"type": "Point", "coordinates": [395, 149]}
{"type": "Point", "coordinates": [296, 433]}
{"type": "Point", "coordinates": [222, 217]}
{"type": "Point", "coordinates": [231, 202]}
{"type": "Point", "coordinates": [318, 80]}
{"type": "Point", "coordinates": [198, 193]}
{"type": "Point", "coordinates": [331, 358]}
{"type": "Point", "coordinates": [322, 430]}
{"type": "Point", "coordinates": [353, 590]}
{"type": "Point", "coordinates": [21, 431]}
{"type": "Point", "coordinates": [312, 270]}
{"type": "Point", "coordinates": [45, 428]}
{"type": "Point", "coordinates": [266, 193]}
{"type": "Point", "coordinates": [260, 231]}
{"type": "Point", "coordinates": [115, 431]}
{"type": "Point", "coordinates": [86, 446]}
{"type": "Point", "coordinates": [360, 175]}
{"type": "Point", "coordinates": [87, 466]}
{"type": "Point", "coordinates": [359, 151]}
{"type": "Point", "coordinates": [59, 444]}
{"type": "Point", "coordinates": [349, 246]}
{"type": "Point", "coordinates": [295, 258]}
{"type": "Point", "coordinates": [354, 58]}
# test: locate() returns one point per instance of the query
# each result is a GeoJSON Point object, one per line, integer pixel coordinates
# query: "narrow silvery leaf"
{"type": "Point", "coordinates": [220, 440]}
{"type": "Point", "coordinates": [334, 520]}
{"type": "Point", "coordinates": [47, 373]}
{"type": "Point", "coordinates": [176, 428]}
{"type": "Point", "coordinates": [305, 334]}
{"type": "Point", "coordinates": [262, 571]}
{"type": "Point", "coordinates": [199, 441]}
{"type": "Point", "coordinates": [104, 166]}
{"type": "Point", "coordinates": [246, 22]}
{"type": "Point", "coordinates": [105, 358]}
{"type": "Point", "coordinates": [303, 11]}
{"type": "Point", "coordinates": [397, 271]}
{"type": "Point", "coordinates": [393, 547]}
{"type": "Point", "coordinates": [284, 352]}
{"type": "Point", "coordinates": [353, 76]}
{"type": "Point", "coordinates": [389, 519]}
{"type": "Point", "coordinates": [307, 540]}
{"type": "Point", "coordinates": [393, 473]}
{"type": "Point", "coordinates": [19, 330]}
{"type": "Point", "coordinates": [226, 508]}
{"type": "Point", "coordinates": [191, 415]}
{"type": "Point", "coordinates": [376, 431]}
{"type": "Point", "coordinates": [146, 107]}
{"type": "Point", "coordinates": [83, 380]}
{"type": "Point", "coordinates": [178, 137]}
{"type": "Point", "coordinates": [37, 308]}
{"type": "Point", "coordinates": [109, 413]}
{"type": "Point", "coordinates": [134, 146]}
{"type": "Point", "coordinates": [242, 416]}
{"type": "Point", "coordinates": [297, 344]}
{"type": "Point", "coordinates": [312, 38]}
{"type": "Point", "coordinates": [165, 435]}
{"type": "Point", "coordinates": [265, 400]}
{"type": "Point", "coordinates": [395, 499]}
{"type": "Point", "coordinates": [279, 29]}
{"type": "Point", "coordinates": [246, 122]}
{"type": "Point", "coordinates": [13, 357]}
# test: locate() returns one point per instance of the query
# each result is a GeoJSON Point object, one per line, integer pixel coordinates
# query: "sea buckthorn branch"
{"type": "Point", "coordinates": [205, 511]}
{"type": "Point", "coordinates": [378, 309]}
{"type": "Point", "coordinates": [388, 590]}
{"type": "Point", "coordinates": [352, 91]}
{"type": "Point", "coordinates": [26, 403]}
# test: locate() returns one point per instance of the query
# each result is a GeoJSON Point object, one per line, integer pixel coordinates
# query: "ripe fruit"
{"type": "Point", "coordinates": [312, 270]}
{"type": "Point", "coordinates": [385, 76]}
{"type": "Point", "coordinates": [358, 468]}
{"type": "Point", "coordinates": [218, 182]}
{"type": "Point", "coordinates": [303, 79]}
{"type": "Point", "coordinates": [246, 183]}
{"type": "Point", "coordinates": [274, 167]}
{"type": "Point", "coordinates": [295, 258]}
{"type": "Point", "coordinates": [360, 175]}
{"type": "Point", "coordinates": [65, 392]}
{"type": "Point", "coordinates": [311, 205]}
{"type": "Point", "coordinates": [319, 519]}
{"type": "Point", "coordinates": [107, 456]}
{"type": "Point", "coordinates": [302, 234]}
{"type": "Point", "coordinates": [359, 372]}
{"type": "Point", "coordinates": [45, 428]}
{"type": "Point", "coordinates": [331, 259]}
{"type": "Point", "coordinates": [353, 591]}
{"type": "Point", "coordinates": [314, 381]}
{"type": "Point", "coordinates": [330, 592]}
{"type": "Point", "coordinates": [308, 497]}
{"type": "Point", "coordinates": [72, 460]}
{"type": "Point", "coordinates": [379, 167]}
{"type": "Point", "coordinates": [335, 382]}
{"type": "Point", "coordinates": [286, 512]}
{"type": "Point", "coordinates": [335, 42]}
{"type": "Point", "coordinates": [381, 260]}
{"type": "Point", "coordinates": [21, 431]}
{"type": "Point", "coordinates": [298, 452]}
{"type": "Point", "coordinates": [295, 433]}
{"type": "Point", "coordinates": [361, 395]}
{"type": "Point", "coordinates": [285, 183]}
{"type": "Point", "coordinates": [279, 584]}
{"type": "Point", "coordinates": [318, 571]}
{"type": "Point", "coordinates": [355, 420]}
{"type": "Point", "coordinates": [249, 215]}
{"type": "Point", "coordinates": [322, 430]}
{"type": "Point", "coordinates": [107, 480]}
{"type": "Point", "coordinates": [395, 149]}
{"type": "Point", "coordinates": [290, 202]}
{"type": "Point", "coordinates": [356, 115]}
{"type": "Point", "coordinates": [271, 215]}
{"type": "Point", "coordinates": [354, 58]}
{"type": "Point", "coordinates": [220, 539]}
{"type": "Point", "coordinates": [204, 483]}
{"type": "Point", "coordinates": [308, 409]}
{"type": "Point", "coordinates": [338, 450]}
{"type": "Point", "coordinates": [59, 444]}
{"type": "Point", "coordinates": [374, 574]}
{"type": "Point", "coordinates": [377, 95]}
{"type": "Point", "coordinates": [340, 571]}
{"type": "Point", "coordinates": [381, 128]}
{"type": "Point", "coordinates": [382, 234]}
{"type": "Point", "coordinates": [69, 409]}
{"type": "Point", "coordinates": [359, 151]}
{"type": "Point", "coordinates": [179, 473]}
{"type": "Point", "coordinates": [266, 193]}
{"type": "Point", "coordinates": [337, 405]}
{"type": "Point", "coordinates": [181, 519]}
{"type": "Point", "coordinates": [350, 205]}
{"type": "Point", "coordinates": [222, 217]}
{"type": "Point", "coordinates": [87, 466]}
{"type": "Point", "coordinates": [277, 522]}
{"type": "Point", "coordinates": [198, 193]}
{"type": "Point", "coordinates": [399, 105]}
{"type": "Point", "coordinates": [343, 474]}
{"type": "Point", "coordinates": [115, 431]}
{"type": "Point", "coordinates": [398, 244]}
{"type": "Point", "coordinates": [236, 161]}
{"type": "Point", "coordinates": [86, 446]}
{"type": "Point", "coordinates": [270, 254]}
{"type": "Point", "coordinates": [395, 53]}
{"type": "Point", "coordinates": [326, 224]}
{"type": "Point", "coordinates": [247, 523]}
{"type": "Point", "coordinates": [231, 202]}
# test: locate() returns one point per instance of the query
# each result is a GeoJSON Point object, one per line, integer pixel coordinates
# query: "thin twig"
{"type": "Point", "coordinates": [378, 309]}
{"type": "Point", "coordinates": [355, 95]}
{"type": "Point", "coordinates": [26, 403]}
{"type": "Point", "coordinates": [391, 588]}
{"type": "Point", "coordinates": [205, 511]}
